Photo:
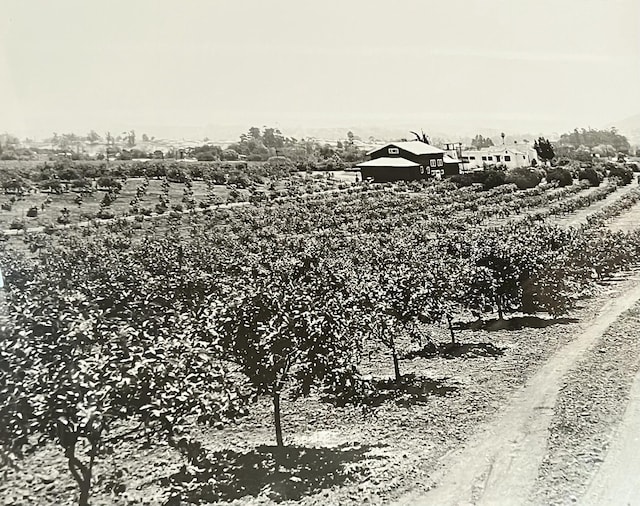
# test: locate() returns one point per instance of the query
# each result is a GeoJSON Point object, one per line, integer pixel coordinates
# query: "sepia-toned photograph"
{"type": "Point", "coordinates": [319, 253]}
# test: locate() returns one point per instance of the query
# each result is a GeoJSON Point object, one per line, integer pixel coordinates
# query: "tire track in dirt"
{"type": "Point", "coordinates": [500, 464]}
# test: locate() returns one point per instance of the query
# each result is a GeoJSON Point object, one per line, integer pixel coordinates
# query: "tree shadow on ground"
{"type": "Point", "coordinates": [411, 390]}
{"type": "Point", "coordinates": [470, 350]}
{"type": "Point", "coordinates": [515, 323]}
{"type": "Point", "coordinates": [456, 350]}
{"type": "Point", "coordinates": [278, 473]}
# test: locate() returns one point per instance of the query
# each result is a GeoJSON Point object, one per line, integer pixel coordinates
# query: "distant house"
{"type": "Point", "coordinates": [406, 161]}
{"type": "Point", "coordinates": [509, 156]}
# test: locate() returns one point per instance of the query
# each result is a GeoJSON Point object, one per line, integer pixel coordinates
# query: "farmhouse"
{"type": "Point", "coordinates": [406, 161]}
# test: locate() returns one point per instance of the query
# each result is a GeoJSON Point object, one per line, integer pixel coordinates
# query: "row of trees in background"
{"type": "Point", "coordinates": [529, 177]}
{"type": "Point", "coordinates": [254, 145]}
{"type": "Point", "coordinates": [53, 175]}
{"type": "Point", "coordinates": [73, 145]}
{"type": "Point", "coordinates": [261, 145]}
{"type": "Point", "coordinates": [544, 149]}
{"type": "Point", "coordinates": [583, 144]}
{"type": "Point", "coordinates": [479, 142]}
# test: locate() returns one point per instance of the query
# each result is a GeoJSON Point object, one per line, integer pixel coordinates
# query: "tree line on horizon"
{"type": "Point", "coordinates": [261, 144]}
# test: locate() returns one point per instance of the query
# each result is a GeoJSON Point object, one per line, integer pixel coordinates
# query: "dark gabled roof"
{"type": "Point", "coordinates": [414, 147]}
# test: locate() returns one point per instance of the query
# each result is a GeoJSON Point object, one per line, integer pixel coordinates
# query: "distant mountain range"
{"type": "Point", "coordinates": [630, 128]}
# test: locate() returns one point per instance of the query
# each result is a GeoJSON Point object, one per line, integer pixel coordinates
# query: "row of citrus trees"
{"type": "Point", "coordinates": [437, 207]}
{"type": "Point", "coordinates": [188, 326]}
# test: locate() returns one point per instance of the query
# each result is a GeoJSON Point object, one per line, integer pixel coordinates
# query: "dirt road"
{"type": "Point", "coordinates": [501, 463]}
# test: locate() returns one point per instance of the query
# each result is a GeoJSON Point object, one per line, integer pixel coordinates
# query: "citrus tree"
{"type": "Point", "coordinates": [289, 325]}
{"type": "Point", "coordinates": [84, 356]}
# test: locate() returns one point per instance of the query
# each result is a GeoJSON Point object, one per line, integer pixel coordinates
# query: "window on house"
{"type": "Point", "coordinates": [472, 158]}
{"type": "Point", "coordinates": [432, 163]}
{"type": "Point", "coordinates": [484, 158]}
{"type": "Point", "coordinates": [465, 158]}
{"type": "Point", "coordinates": [440, 163]}
{"type": "Point", "coordinates": [489, 157]}
{"type": "Point", "coordinates": [394, 151]}
{"type": "Point", "coordinates": [507, 158]}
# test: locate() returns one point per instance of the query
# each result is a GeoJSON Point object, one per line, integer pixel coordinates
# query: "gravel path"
{"type": "Point", "coordinates": [611, 486]}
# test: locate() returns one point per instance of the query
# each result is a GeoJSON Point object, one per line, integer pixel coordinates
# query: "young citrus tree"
{"type": "Point", "coordinates": [289, 326]}
{"type": "Point", "coordinates": [391, 302]}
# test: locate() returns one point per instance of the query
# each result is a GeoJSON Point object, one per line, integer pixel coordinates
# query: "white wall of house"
{"type": "Point", "coordinates": [507, 156]}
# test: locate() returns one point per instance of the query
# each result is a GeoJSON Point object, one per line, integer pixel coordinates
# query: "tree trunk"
{"type": "Point", "coordinates": [499, 304]}
{"type": "Point", "coordinates": [450, 323]}
{"type": "Point", "coordinates": [527, 300]}
{"type": "Point", "coordinates": [83, 500]}
{"type": "Point", "coordinates": [396, 365]}
{"type": "Point", "coordinates": [276, 416]}
{"type": "Point", "coordinates": [82, 475]}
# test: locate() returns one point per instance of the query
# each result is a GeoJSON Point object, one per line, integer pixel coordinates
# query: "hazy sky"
{"type": "Point", "coordinates": [512, 64]}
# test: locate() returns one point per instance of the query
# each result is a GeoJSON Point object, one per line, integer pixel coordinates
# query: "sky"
{"type": "Point", "coordinates": [525, 65]}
